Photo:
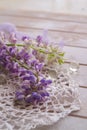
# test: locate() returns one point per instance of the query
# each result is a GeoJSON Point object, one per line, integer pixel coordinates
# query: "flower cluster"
{"type": "Point", "coordinates": [24, 60]}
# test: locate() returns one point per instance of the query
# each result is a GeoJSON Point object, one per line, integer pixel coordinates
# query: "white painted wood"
{"type": "Point", "coordinates": [57, 6]}
{"type": "Point", "coordinates": [79, 54]}
{"type": "Point", "coordinates": [71, 27]}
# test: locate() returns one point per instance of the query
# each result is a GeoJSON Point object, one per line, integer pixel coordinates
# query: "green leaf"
{"type": "Point", "coordinates": [60, 61]}
{"type": "Point", "coordinates": [61, 54]}
{"type": "Point", "coordinates": [41, 50]}
{"type": "Point", "coordinates": [50, 56]}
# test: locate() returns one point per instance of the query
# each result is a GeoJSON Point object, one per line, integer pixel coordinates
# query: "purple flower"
{"type": "Point", "coordinates": [24, 38]}
{"type": "Point", "coordinates": [31, 78]}
{"type": "Point", "coordinates": [38, 67]}
{"type": "Point", "coordinates": [19, 95]}
{"type": "Point", "coordinates": [48, 81]}
{"type": "Point", "coordinates": [61, 44]}
{"type": "Point", "coordinates": [23, 65]}
{"type": "Point", "coordinates": [13, 51]}
{"type": "Point", "coordinates": [44, 93]}
{"type": "Point", "coordinates": [27, 90]}
{"type": "Point", "coordinates": [45, 82]}
{"type": "Point", "coordinates": [26, 56]}
{"type": "Point", "coordinates": [13, 38]}
{"type": "Point", "coordinates": [45, 37]}
{"type": "Point", "coordinates": [29, 72]}
{"type": "Point", "coordinates": [33, 62]}
{"type": "Point", "coordinates": [36, 96]}
{"type": "Point", "coordinates": [39, 39]}
{"type": "Point", "coordinates": [34, 52]}
{"type": "Point", "coordinates": [29, 99]}
{"type": "Point", "coordinates": [23, 72]}
{"type": "Point", "coordinates": [7, 28]}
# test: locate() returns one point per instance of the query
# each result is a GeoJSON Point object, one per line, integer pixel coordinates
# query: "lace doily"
{"type": "Point", "coordinates": [64, 98]}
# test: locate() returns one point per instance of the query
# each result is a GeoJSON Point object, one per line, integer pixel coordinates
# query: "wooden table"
{"type": "Point", "coordinates": [73, 30]}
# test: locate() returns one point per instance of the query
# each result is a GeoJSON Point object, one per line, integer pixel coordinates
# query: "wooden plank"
{"type": "Point", "coordinates": [68, 123]}
{"type": "Point", "coordinates": [45, 15]}
{"type": "Point", "coordinates": [70, 27]}
{"type": "Point", "coordinates": [79, 54]}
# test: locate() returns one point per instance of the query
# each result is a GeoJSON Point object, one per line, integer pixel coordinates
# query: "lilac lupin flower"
{"type": "Point", "coordinates": [31, 78]}
{"type": "Point", "coordinates": [23, 58]}
{"type": "Point", "coordinates": [19, 95]}
{"type": "Point", "coordinates": [29, 99]}
{"type": "Point", "coordinates": [33, 62]}
{"type": "Point", "coordinates": [13, 38]}
{"type": "Point", "coordinates": [26, 87]}
{"type": "Point", "coordinates": [39, 39]}
{"type": "Point", "coordinates": [39, 67]}
{"type": "Point", "coordinates": [61, 44]}
{"type": "Point", "coordinates": [8, 28]}
{"type": "Point", "coordinates": [34, 52]}
{"type": "Point", "coordinates": [36, 96]}
{"type": "Point", "coordinates": [26, 56]}
{"type": "Point", "coordinates": [45, 37]}
{"type": "Point", "coordinates": [25, 38]}
{"type": "Point", "coordinates": [48, 81]}
{"type": "Point", "coordinates": [23, 72]}
{"type": "Point", "coordinates": [45, 82]}
{"type": "Point", "coordinates": [44, 93]}
{"type": "Point", "coordinates": [13, 51]}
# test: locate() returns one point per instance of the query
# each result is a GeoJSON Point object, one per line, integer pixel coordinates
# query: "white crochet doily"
{"type": "Point", "coordinates": [64, 98]}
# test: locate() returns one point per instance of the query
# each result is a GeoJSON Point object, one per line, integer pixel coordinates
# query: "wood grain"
{"type": "Point", "coordinates": [79, 54]}
{"type": "Point", "coordinates": [70, 27]}
{"type": "Point", "coordinates": [45, 15]}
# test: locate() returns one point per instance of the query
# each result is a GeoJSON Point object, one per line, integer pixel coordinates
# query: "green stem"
{"type": "Point", "coordinates": [20, 45]}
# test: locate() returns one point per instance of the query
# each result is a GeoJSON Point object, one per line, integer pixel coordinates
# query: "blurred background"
{"type": "Point", "coordinates": [78, 7]}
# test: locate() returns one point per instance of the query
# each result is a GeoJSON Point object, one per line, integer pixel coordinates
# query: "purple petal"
{"type": "Point", "coordinates": [29, 99]}
{"type": "Point", "coordinates": [45, 36]}
{"type": "Point", "coordinates": [48, 81]}
{"type": "Point", "coordinates": [38, 67]}
{"type": "Point", "coordinates": [44, 93]}
{"type": "Point", "coordinates": [36, 96]}
{"type": "Point", "coordinates": [61, 44]}
{"type": "Point", "coordinates": [39, 39]}
{"type": "Point", "coordinates": [7, 28]}
{"type": "Point", "coordinates": [34, 52]}
{"type": "Point", "coordinates": [31, 78]}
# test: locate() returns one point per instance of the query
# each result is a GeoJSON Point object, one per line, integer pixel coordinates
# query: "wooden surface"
{"type": "Point", "coordinates": [56, 6]}
{"type": "Point", "coordinates": [71, 29]}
